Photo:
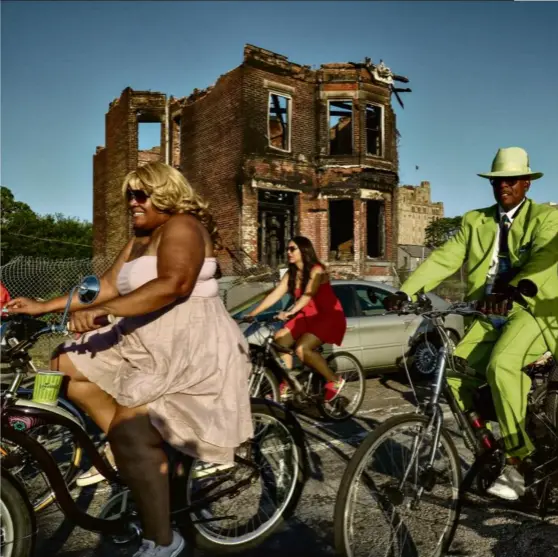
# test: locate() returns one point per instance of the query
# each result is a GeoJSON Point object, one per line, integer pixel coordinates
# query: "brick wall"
{"type": "Point", "coordinates": [415, 212]}
{"type": "Point", "coordinates": [314, 223]}
{"type": "Point", "coordinates": [249, 226]}
{"type": "Point", "coordinates": [211, 151]}
{"type": "Point", "coordinates": [99, 200]}
{"type": "Point", "coordinates": [114, 224]}
{"type": "Point", "coordinates": [111, 220]}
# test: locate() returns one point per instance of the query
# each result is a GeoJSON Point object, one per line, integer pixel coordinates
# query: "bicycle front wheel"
{"type": "Point", "coordinates": [258, 492]}
{"type": "Point", "coordinates": [59, 441]}
{"type": "Point", "coordinates": [17, 522]}
{"type": "Point", "coordinates": [349, 400]}
{"type": "Point", "coordinates": [263, 384]}
{"type": "Point", "coordinates": [391, 503]}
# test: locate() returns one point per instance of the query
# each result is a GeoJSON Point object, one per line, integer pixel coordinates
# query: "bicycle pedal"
{"type": "Point", "coordinates": [210, 470]}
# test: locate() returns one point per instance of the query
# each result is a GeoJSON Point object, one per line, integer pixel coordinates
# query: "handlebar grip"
{"type": "Point", "coordinates": [104, 320]}
{"type": "Point", "coordinates": [527, 287]}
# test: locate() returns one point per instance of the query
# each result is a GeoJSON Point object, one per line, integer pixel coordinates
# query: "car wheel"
{"type": "Point", "coordinates": [425, 356]}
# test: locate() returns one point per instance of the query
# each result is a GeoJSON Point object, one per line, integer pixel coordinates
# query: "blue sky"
{"type": "Point", "coordinates": [484, 75]}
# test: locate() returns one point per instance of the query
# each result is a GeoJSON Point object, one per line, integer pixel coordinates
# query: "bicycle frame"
{"type": "Point", "coordinates": [18, 417]}
{"type": "Point", "coordinates": [433, 410]}
{"type": "Point", "coordinates": [28, 414]}
{"type": "Point", "coordinates": [272, 351]}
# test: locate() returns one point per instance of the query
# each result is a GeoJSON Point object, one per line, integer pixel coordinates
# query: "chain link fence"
{"type": "Point", "coordinates": [44, 279]}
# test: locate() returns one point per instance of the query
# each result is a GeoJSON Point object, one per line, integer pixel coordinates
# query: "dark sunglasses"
{"type": "Point", "coordinates": [138, 195]}
{"type": "Point", "coordinates": [290, 249]}
{"type": "Point", "coordinates": [510, 181]}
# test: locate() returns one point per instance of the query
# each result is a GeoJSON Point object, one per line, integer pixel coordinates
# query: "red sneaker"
{"type": "Point", "coordinates": [285, 391]}
{"type": "Point", "coordinates": [333, 388]}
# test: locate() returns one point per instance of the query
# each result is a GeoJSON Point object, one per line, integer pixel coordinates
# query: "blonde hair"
{"type": "Point", "coordinates": [171, 192]}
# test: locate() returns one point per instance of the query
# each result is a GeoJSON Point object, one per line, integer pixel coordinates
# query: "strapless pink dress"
{"type": "Point", "coordinates": [188, 362]}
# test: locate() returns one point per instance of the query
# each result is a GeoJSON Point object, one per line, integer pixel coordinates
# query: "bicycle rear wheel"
{"type": "Point", "coordinates": [245, 517]}
{"type": "Point", "coordinates": [389, 516]}
{"type": "Point", "coordinates": [349, 400]}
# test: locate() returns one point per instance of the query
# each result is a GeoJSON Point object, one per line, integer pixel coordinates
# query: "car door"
{"type": "Point", "coordinates": [351, 341]}
{"type": "Point", "coordinates": [384, 338]}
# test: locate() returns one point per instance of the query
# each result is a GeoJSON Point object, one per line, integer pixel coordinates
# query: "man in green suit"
{"type": "Point", "coordinates": [500, 245]}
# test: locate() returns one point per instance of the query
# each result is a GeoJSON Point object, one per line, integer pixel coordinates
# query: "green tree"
{"type": "Point", "coordinates": [28, 234]}
{"type": "Point", "coordinates": [441, 230]}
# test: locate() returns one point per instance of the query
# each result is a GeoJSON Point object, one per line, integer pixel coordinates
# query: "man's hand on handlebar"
{"type": "Point", "coordinates": [395, 301]}
{"type": "Point", "coordinates": [496, 304]}
{"type": "Point", "coordinates": [86, 320]}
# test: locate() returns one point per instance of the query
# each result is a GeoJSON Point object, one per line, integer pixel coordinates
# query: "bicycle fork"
{"type": "Point", "coordinates": [427, 478]}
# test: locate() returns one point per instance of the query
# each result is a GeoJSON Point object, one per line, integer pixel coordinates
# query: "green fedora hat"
{"type": "Point", "coordinates": [510, 162]}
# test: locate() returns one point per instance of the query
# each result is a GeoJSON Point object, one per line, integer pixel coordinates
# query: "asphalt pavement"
{"type": "Point", "coordinates": [487, 528]}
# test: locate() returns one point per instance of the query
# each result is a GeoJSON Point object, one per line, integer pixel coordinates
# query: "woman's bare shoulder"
{"type": "Point", "coordinates": [191, 225]}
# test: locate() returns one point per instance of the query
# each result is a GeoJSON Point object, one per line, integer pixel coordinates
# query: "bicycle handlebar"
{"type": "Point", "coordinates": [28, 329]}
{"type": "Point", "coordinates": [424, 305]}
{"type": "Point", "coordinates": [264, 319]}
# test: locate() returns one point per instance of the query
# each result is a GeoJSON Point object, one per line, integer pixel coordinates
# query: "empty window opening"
{"type": "Point", "coordinates": [175, 141]}
{"type": "Point", "coordinates": [374, 130]}
{"type": "Point", "coordinates": [341, 229]}
{"type": "Point", "coordinates": [375, 229]}
{"type": "Point", "coordinates": [276, 225]}
{"type": "Point", "coordinates": [340, 127]}
{"type": "Point", "coordinates": [149, 142]}
{"type": "Point", "coordinates": [278, 121]}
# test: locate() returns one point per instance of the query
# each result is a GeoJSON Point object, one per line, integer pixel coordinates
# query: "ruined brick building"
{"type": "Point", "coordinates": [277, 149]}
{"type": "Point", "coordinates": [415, 211]}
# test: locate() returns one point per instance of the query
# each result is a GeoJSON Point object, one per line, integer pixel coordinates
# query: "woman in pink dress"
{"type": "Point", "coordinates": [174, 366]}
{"type": "Point", "coordinates": [316, 318]}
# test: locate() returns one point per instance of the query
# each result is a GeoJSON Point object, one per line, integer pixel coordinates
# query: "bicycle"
{"type": "Point", "coordinates": [307, 385]}
{"type": "Point", "coordinates": [423, 475]}
{"type": "Point", "coordinates": [201, 495]}
{"type": "Point", "coordinates": [69, 456]}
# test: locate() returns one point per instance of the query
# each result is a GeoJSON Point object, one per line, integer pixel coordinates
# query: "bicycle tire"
{"type": "Point", "coordinates": [356, 464]}
{"type": "Point", "coordinates": [16, 508]}
{"type": "Point", "coordinates": [200, 538]}
{"type": "Point", "coordinates": [269, 378]}
{"type": "Point", "coordinates": [323, 406]}
{"type": "Point", "coordinates": [47, 497]}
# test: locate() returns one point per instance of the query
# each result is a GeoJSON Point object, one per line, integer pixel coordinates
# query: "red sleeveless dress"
{"type": "Point", "coordinates": [322, 317]}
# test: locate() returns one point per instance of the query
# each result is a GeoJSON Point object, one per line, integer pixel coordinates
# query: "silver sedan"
{"type": "Point", "coordinates": [379, 341]}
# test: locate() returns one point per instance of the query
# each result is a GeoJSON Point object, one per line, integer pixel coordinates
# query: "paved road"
{"type": "Point", "coordinates": [487, 529]}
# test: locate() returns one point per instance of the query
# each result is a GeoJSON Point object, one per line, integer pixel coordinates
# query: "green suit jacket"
{"type": "Point", "coordinates": [533, 245]}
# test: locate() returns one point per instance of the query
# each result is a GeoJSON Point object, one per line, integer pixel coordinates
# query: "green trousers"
{"type": "Point", "coordinates": [497, 355]}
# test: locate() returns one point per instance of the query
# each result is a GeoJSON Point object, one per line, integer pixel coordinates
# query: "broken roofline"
{"type": "Point", "coordinates": [378, 73]}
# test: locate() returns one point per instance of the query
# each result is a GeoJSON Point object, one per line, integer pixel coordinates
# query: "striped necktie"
{"type": "Point", "coordinates": [505, 224]}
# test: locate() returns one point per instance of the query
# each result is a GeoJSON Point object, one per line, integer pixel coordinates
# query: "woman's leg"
{"type": "Point", "coordinates": [143, 465]}
{"type": "Point", "coordinates": [306, 351]}
{"type": "Point", "coordinates": [98, 404]}
{"type": "Point", "coordinates": [284, 338]}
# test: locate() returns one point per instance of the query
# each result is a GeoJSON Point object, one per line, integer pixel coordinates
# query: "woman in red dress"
{"type": "Point", "coordinates": [317, 316]}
